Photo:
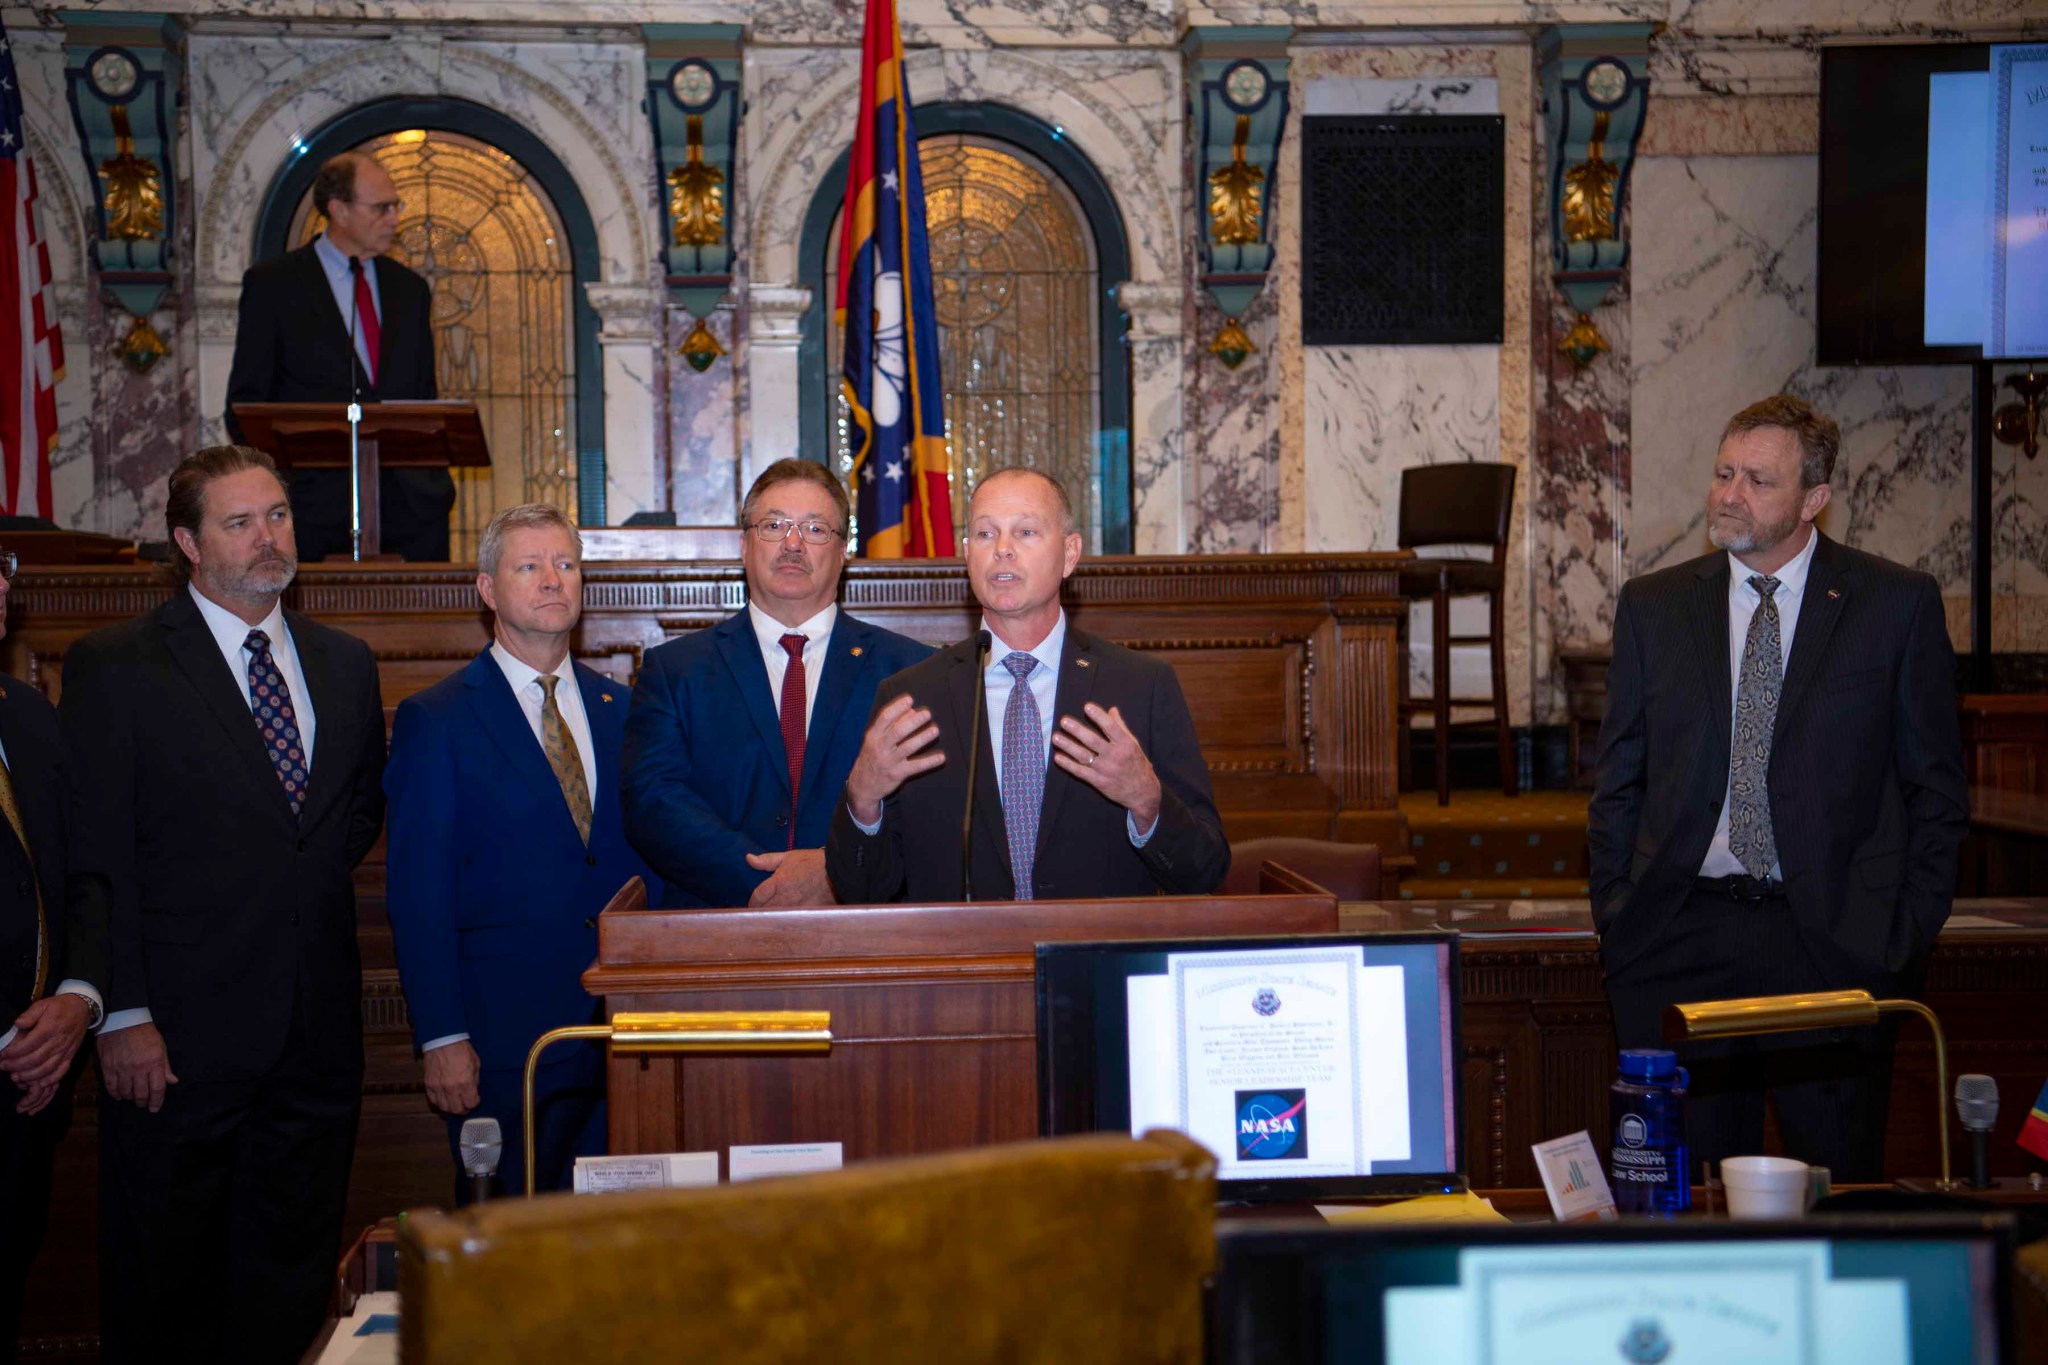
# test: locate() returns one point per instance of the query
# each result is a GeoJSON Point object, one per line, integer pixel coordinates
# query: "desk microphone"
{"type": "Point", "coordinates": [1977, 1107]}
{"type": "Point", "coordinates": [355, 424]}
{"type": "Point", "coordinates": [482, 1143]}
{"type": "Point", "coordinates": [981, 648]}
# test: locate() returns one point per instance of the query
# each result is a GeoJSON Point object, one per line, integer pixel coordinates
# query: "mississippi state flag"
{"type": "Point", "coordinates": [2034, 1132]}
{"type": "Point", "coordinates": [31, 352]}
{"type": "Point", "coordinates": [902, 489]}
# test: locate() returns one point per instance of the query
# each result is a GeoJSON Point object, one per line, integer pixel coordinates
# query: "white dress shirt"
{"type": "Point", "coordinates": [231, 635]}
{"type": "Point", "coordinates": [817, 633]}
{"type": "Point", "coordinates": [1743, 601]}
{"type": "Point", "coordinates": [70, 986]}
{"type": "Point", "coordinates": [342, 281]}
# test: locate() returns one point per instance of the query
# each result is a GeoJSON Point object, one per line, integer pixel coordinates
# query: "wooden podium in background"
{"type": "Point", "coordinates": [426, 433]}
{"type": "Point", "coordinates": [934, 1023]}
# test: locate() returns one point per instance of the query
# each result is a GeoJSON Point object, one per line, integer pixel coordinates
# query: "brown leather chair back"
{"type": "Point", "coordinates": [1351, 871]}
{"type": "Point", "coordinates": [1457, 504]}
{"type": "Point", "coordinates": [1085, 1248]}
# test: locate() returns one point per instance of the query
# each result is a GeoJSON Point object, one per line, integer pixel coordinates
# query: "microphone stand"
{"type": "Point", "coordinates": [981, 649]}
{"type": "Point", "coordinates": [355, 423]}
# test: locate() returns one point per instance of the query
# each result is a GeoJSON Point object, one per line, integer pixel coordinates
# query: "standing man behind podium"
{"type": "Point", "coordinates": [1122, 808]}
{"type": "Point", "coordinates": [292, 346]}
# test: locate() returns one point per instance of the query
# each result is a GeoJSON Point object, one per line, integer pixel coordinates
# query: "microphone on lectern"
{"type": "Point", "coordinates": [482, 1143]}
{"type": "Point", "coordinates": [1977, 1107]}
{"type": "Point", "coordinates": [981, 649]}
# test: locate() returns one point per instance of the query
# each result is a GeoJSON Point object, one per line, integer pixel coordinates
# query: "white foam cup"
{"type": "Point", "coordinates": [1765, 1186]}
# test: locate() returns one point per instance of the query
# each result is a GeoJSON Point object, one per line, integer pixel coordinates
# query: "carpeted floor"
{"type": "Point", "coordinates": [1485, 846]}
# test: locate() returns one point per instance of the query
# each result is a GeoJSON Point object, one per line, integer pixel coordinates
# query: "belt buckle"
{"type": "Point", "coordinates": [1743, 887]}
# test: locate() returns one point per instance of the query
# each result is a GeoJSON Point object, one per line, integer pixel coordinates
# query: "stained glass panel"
{"type": "Point", "coordinates": [488, 240]}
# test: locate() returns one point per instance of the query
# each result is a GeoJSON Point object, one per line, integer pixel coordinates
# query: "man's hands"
{"type": "Point", "coordinates": [889, 757]}
{"type": "Point", "coordinates": [798, 878]}
{"type": "Point", "coordinates": [1107, 757]}
{"type": "Point", "coordinates": [135, 1067]}
{"type": "Point", "coordinates": [452, 1071]}
{"type": "Point", "coordinates": [46, 1039]}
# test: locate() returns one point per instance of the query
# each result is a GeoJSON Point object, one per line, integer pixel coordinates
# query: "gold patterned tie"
{"type": "Point", "coordinates": [564, 758]}
{"type": "Point", "coordinates": [12, 809]}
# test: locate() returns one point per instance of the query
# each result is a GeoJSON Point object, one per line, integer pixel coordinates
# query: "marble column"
{"type": "Point", "coordinates": [1159, 482]}
{"type": "Point", "coordinates": [627, 316]}
{"type": "Point", "coordinates": [774, 418]}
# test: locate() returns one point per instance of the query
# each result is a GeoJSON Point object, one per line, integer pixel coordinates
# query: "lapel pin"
{"type": "Point", "coordinates": [1080, 663]}
{"type": "Point", "coordinates": [856, 651]}
{"type": "Point", "coordinates": [1834, 592]}
{"type": "Point", "coordinates": [606, 695]}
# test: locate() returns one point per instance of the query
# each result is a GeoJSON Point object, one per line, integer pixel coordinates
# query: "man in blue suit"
{"type": "Point", "coordinates": [741, 736]}
{"type": "Point", "coordinates": [505, 843]}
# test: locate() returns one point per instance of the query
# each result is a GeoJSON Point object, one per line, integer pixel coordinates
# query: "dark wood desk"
{"type": "Point", "coordinates": [2006, 853]}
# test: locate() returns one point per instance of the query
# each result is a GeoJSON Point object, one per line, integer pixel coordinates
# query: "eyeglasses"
{"type": "Point", "coordinates": [774, 530]}
{"type": "Point", "coordinates": [9, 562]}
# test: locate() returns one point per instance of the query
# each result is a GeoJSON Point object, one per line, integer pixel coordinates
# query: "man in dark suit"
{"type": "Point", "coordinates": [506, 841]}
{"type": "Point", "coordinates": [742, 735]}
{"type": "Point", "coordinates": [227, 756]}
{"type": "Point", "coordinates": [1780, 795]}
{"type": "Point", "coordinates": [53, 970]}
{"type": "Point", "coordinates": [297, 315]}
{"type": "Point", "coordinates": [1123, 808]}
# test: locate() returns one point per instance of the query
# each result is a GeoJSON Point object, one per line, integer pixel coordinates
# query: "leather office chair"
{"type": "Point", "coordinates": [1457, 504]}
{"type": "Point", "coordinates": [1352, 871]}
{"type": "Point", "coordinates": [1084, 1248]}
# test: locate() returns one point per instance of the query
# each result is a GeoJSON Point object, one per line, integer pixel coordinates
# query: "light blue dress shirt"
{"type": "Point", "coordinates": [335, 263]}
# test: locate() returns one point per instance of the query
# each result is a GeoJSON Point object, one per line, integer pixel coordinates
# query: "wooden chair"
{"type": "Point", "coordinates": [1351, 871]}
{"type": "Point", "coordinates": [1087, 1248]}
{"type": "Point", "coordinates": [1457, 504]}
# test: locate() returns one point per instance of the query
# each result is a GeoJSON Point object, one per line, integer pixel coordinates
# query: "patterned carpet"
{"type": "Point", "coordinates": [1485, 846]}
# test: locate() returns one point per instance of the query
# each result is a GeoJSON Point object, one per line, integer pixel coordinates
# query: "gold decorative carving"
{"type": "Point", "coordinates": [696, 195]}
{"type": "Point", "coordinates": [700, 348]}
{"type": "Point", "coordinates": [1583, 343]}
{"type": "Point", "coordinates": [142, 347]}
{"type": "Point", "coordinates": [1589, 190]}
{"type": "Point", "coordinates": [1231, 345]}
{"type": "Point", "coordinates": [135, 187]}
{"type": "Point", "coordinates": [1235, 208]}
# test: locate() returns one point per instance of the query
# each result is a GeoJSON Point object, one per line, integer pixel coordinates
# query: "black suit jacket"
{"type": "Point", "coordinates": [77, 924]}
{"type": "Point", "coordinates": [1084, 849]}
{"type": "Point", "coordinates": [1868, 799]}
{"type": "Point", "coordinates": [229, 915]}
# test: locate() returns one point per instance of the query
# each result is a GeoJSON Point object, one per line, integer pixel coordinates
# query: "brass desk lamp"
{"type": "Point", "coordinates": [1817, 1009]}
{"type": "Point", "coordinates": [719, 1031]}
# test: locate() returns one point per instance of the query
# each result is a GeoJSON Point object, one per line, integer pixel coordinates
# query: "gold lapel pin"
{"type": "Point", "coordinates": [606, 695]}
{"type": "Point", "coordinates": [1080, 663]}
{"type": "Point", "coordinates": [1834, 592]}
{"type": "Point", "coordinates": [856, 651]}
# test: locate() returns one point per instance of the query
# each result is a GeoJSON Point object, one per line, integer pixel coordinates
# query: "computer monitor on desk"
{"type": "Point", "coordinates": [1924, 1290]}
{"type": "Point", "coordinates": [1314, 1067]}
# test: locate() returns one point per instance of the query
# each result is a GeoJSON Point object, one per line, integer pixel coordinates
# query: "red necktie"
{"type": "Point", "coordinates": [366, 316]}
{"type": "Point", "coordinates": [793, 721]}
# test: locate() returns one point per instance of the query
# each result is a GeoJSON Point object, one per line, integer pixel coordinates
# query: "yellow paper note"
{"type": "Point", "coordinates": [1430, 1208]}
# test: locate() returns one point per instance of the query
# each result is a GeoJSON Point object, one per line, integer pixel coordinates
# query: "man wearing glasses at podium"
{"type": "Point", "coordinates": [1088, 778]}
{"type": "Point", "coordinates": [292, 336]}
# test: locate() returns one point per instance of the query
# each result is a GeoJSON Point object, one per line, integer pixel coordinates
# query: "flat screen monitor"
{"type": "Point", "coordinates": [1933, 204]}
{"type": "Point", "coordinates": [1317, 1066]}
{"type": "Point", "coordinates": [1921, 1290]}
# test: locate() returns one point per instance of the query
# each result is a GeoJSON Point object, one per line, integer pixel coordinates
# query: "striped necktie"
{"type": "Point", "coordinates": [564, 757]}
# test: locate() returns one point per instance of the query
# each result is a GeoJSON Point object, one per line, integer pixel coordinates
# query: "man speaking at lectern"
{"type": "Point", "coordinates": [292, 346]}
{"type": "Point", "coordinates": [1088, 779]}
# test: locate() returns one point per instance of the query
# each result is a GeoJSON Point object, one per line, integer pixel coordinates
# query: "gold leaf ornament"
{"type": "Point", "coordinates": [696, 195]}
{"type": "Point", "coordinates": [1589, 190]}
{"type": "Point", "coordinates": [134, 187]}
{"type": "Point", "coordinates": [1235, 205]}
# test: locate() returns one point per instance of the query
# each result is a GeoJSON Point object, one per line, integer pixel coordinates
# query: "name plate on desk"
{"type": "Point", "coordinates": [757, 1161]}
{"type": "Point", "coordinates": [661, 1171]}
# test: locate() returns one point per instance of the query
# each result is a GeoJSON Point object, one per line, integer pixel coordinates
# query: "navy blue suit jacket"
{"type": "Point", "coordinates": [707, 777]}
{"type": "Point", "coordinates": [492, 895]}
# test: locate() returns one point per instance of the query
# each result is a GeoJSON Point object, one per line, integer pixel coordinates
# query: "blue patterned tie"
{"type": "Point", "coordinates": [1023, 771]}
{"type": "Point", "coordinates": [1750, 837]}
{"type": "Point", "coordinates": [271, 700]}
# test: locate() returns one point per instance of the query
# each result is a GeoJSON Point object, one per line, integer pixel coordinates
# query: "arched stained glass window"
{"type": "Point", "coordinates": [1016, 282]}
{"type": "Point", "coordinates": [492, 248]}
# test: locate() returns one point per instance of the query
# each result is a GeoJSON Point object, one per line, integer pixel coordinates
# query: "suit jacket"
{"type": "Point", "coordinates": [1084, 846]}
{"type": "Point", "coordinates": [1868, 801]}
{"type": "Point", "coordinates": [707, 776]}
{"type": "Point", "coordinates": [77, 924]}
{"type": "Point", "coordinates": [493, 895]}
{"type": "Point", "coordinates": [230, 916]}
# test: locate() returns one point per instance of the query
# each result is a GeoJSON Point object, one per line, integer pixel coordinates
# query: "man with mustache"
{"type": "Point", "coordinates": [227, 756]}
{"type": "Point", "coordinates": [741, 736]}
{"type": "Point", "coordinates": [1090, 781]}
{"type": "Point", "coordinates": [1780, 795]}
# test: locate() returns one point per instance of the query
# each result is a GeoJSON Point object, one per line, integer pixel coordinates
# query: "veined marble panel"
{"type": "Point", "coordinates": [1751, 125]}
{"type": "Point", "coordinates": [703, 441]}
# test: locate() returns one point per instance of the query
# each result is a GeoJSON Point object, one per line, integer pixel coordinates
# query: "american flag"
{"type": "Point", "coordinates": [31, 352]}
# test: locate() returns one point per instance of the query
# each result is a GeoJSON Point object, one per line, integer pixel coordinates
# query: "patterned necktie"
{"type": "Point", "coordinates": [1023, 771]}
{"type": "Point", "coordinates": [271, 701]}
{"type": "Point", "coordinates": [564, 757]}
{"type": "Point", "coordinates": [793, 682]}
{"type": "Point", "coordinates": [12, 809]}
{"type": "Point", "coordinates": [366, 318]}
{"type": "Point", "coordinates": [1750, 837]}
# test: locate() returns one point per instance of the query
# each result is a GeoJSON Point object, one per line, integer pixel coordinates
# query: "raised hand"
{"type": "Point", "coordinates": [890, 756]}
{"type": "Point", "coordinates": [1108, 757]}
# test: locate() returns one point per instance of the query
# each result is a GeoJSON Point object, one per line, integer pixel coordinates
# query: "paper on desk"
{"type": "Point", "coordinates": [1429, 1208]}
{"type": "Point", "coordinates": [368, 1335]}
{"type": "Point", "coordinates": [1975, 922]}
{"type": "Point", "coordinates": [743, 1163]}
{"type": "Point", "coordinates": [662, 1171]}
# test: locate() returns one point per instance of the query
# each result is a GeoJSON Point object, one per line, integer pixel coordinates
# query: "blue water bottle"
{"type": "Point", "coordinates": [1648, 1165]}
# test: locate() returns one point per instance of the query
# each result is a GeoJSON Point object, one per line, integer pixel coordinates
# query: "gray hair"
{"type": "Point", "coordinates": [528, 516]}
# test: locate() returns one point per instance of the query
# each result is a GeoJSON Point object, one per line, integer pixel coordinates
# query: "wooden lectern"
{"type": "Point", "coordinates": [934, 1021]}
{"type": "Point", "coordinates": [409, 433]}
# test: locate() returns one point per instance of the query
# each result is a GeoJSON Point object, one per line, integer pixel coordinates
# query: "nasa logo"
{"type": "Point", "coordinates": [1272, 1125]}
{"type": "Point", "coordinates": [1266, 1003]}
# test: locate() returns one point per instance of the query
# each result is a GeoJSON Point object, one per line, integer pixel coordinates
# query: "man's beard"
{"type": "Point", "coordinates": [1752, 538]}
{"type": "Point", "coordinates": [265, 577]}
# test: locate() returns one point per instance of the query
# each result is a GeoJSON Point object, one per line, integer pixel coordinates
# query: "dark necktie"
{"type": "Point", "coordinates": [1023, 771]}
{"type": "Point", "coordinates": [276, 720]}
{"type": "Point", "coordinates": [563, 756]}
{"type": "Point", "coordinates": [793, 685]}
{"type": "Point", "coordinates": [1750, 837]}
{"type": "Point", "coordinates": [366, 317]}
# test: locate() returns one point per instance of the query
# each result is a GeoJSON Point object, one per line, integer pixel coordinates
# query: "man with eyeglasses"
{"type": "Point", "coordinates": [292, 345]}
{"type": "Point", "coordinates": [741, 736]}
